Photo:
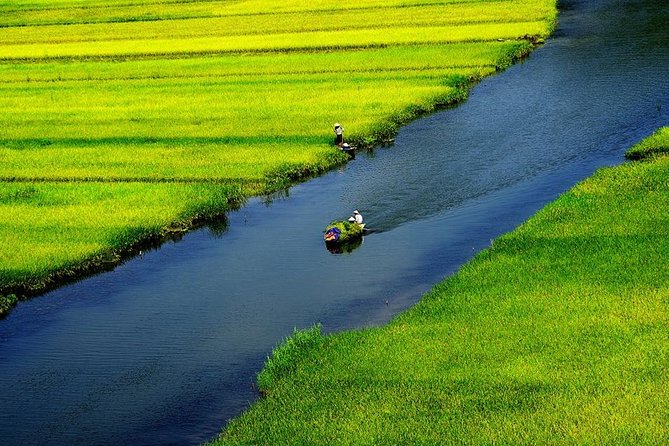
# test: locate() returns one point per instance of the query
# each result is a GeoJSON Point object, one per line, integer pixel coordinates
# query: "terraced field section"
{"type": "Point", "coordinates": [122, 121]}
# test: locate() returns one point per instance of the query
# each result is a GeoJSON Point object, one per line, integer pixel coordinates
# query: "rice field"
{"type": "Point", "coordinates": [120, 119]}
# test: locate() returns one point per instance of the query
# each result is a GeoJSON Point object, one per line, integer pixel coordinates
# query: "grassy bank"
{"type": "Point", "coordinates": [120, 121]}
{"type": "Point", "coordinates": [556, 334]}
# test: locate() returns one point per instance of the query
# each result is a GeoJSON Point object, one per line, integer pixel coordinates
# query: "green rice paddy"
{"type": "Point", "coordinates": [556, 334]}
{"type": "Point", "coordinates": [120, 120]}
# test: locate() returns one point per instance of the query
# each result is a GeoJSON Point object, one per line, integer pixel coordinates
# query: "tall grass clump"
{"type": "Point", "coordinates": [285, 357]}
{"type": "Point", "coordinates": [657, 144]}
{"type": "Point", "coordinates": [556, 334]}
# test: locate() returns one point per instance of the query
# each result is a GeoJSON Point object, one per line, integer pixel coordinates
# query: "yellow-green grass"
{"type": "Point", "coordinates": [162, 160]}
{"type": "Point", "coordinates": [239, 96]}
{"type": "Point", "coordinates": [39, 220]}
{"type": "Point", "coordinates": [234, 108]}
{"type": "Point", "coordinates": [235, 25]}
{"type": "Point", "coordinates": [318, 28]}
{"type": "Point", "coordinates": [456, 57]}
{"type": "Point", "coordinates": [42, 13]}
{"type": "Point", "coordinates": [556, 334]}
{"type": "Point", "coordinates": [317, 40]}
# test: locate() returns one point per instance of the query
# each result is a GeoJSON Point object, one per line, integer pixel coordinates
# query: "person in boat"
{"type": "Point", "coordinates": [357, 217]}
{"type": "Point", "coordinates": [339, 134]}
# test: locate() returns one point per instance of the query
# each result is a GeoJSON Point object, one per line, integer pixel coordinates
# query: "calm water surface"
{"type": "Point", "coordinates": [164, 349]}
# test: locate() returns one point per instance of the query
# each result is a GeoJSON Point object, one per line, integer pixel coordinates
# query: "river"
{"type": "Point", "coordinates": [164, 349]}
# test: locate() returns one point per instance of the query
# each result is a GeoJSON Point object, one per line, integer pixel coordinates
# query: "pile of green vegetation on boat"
{"type": "Point", "coordinates": [556, 334]}
{"type": "Point", "coordinates": [347, 231]}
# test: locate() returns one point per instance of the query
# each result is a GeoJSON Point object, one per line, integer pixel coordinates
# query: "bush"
{"type": "Point", "coordinates": [7, 303]}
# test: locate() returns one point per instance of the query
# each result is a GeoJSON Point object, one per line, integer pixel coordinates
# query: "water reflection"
{"type": "Point", "coordinates": [345, 247]}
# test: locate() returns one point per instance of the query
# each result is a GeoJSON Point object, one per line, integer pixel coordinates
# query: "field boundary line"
{"type": "Point", "coordinates": [333, 28]}
{"type": "Point", "coordinates": [277, 50]}
{"type": "Point", "coordinates": [252, 74]}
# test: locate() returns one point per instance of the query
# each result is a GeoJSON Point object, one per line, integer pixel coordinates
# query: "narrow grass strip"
{"type": "Point", "coordinates": [302, 106]}
{"type": "Point", "coordinates": [374, 18]}
{"type": "Point", "coordinates": [106, 12]}
{"type": "Point", "coordinates": [160, 161]}
{"type": "Point", "coordinates": [365, 38]}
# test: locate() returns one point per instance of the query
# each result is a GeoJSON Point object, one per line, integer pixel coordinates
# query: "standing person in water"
{"type": "Point", "coordinates": [339, 134]}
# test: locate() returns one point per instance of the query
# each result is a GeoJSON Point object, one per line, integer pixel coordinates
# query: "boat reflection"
{"type": "Point", "coordinates": [344, 248]}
